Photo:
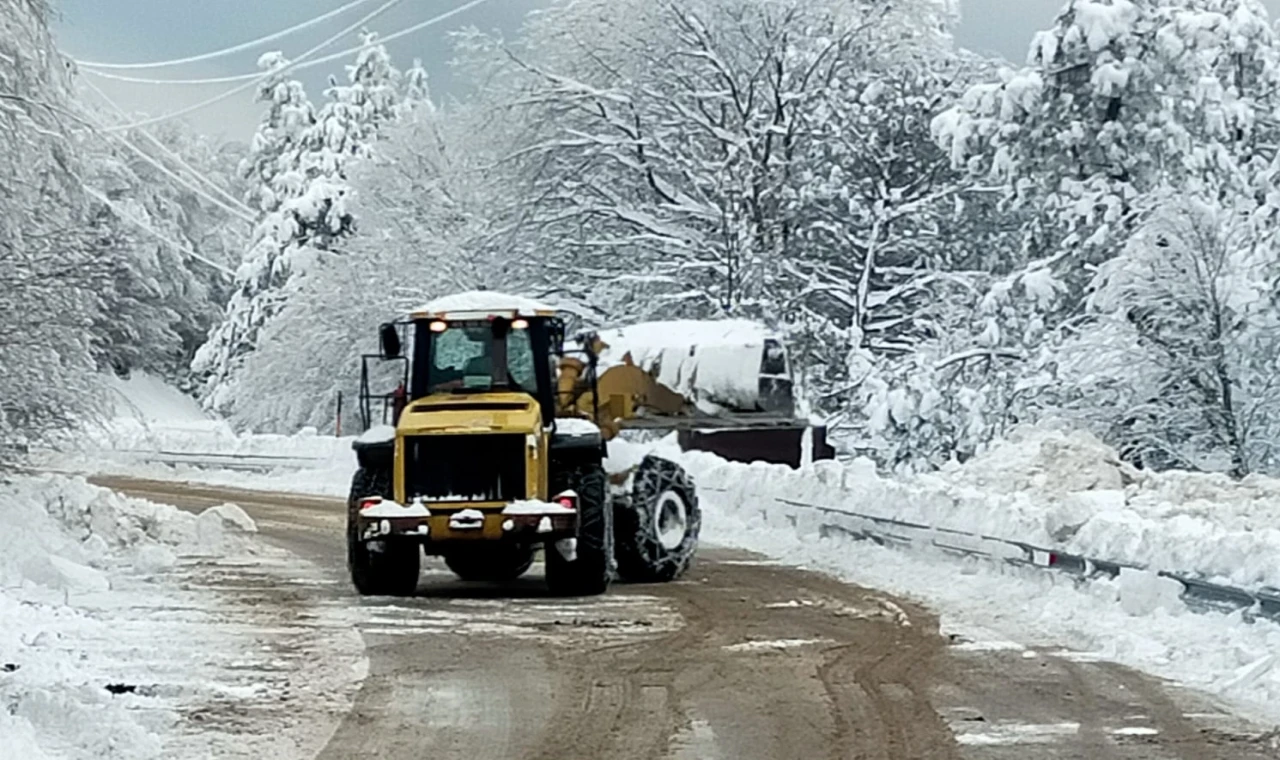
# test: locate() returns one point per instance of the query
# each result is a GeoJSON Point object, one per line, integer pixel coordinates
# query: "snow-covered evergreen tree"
{"type": "Point", "coordinates": [307, 196]}
{"type": "Point", "coordinates": [415, 92]}
{"type": "Point", "coordinates": [276, 182]}
{"type": "Point", "coordinates": [426, 211]}
{"type": "Point", "coordinates": [269, 165]}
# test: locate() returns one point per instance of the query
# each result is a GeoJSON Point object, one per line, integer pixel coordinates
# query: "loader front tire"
{"type": "Point", "coordinates": [378, 568]}
{"type": "Point", "coordinates": [657, 528]}
{"type": "Point", "coordinates": [589, 572]}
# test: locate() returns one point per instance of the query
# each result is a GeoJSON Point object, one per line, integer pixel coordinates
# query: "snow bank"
{"type": "Point", "coordinates": [148, 399]}
{"type": "Point", "coordinates": [158, 432]}
{"type": "Point", "coordinates": [65, 542]}
{"type": "Point", "coordinates": [1043, 487]}
{"type": "Point", "coordinates": [1057, 490]}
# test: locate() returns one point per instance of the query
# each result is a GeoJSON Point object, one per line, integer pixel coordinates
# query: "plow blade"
{"type": "Point", "coordinates": [777, 445]}
{"type": "Point", "coordinates": [744, 438]}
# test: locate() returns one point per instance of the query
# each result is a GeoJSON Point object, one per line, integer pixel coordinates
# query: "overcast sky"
{"type": "Point", "coordinates": [127, 31]}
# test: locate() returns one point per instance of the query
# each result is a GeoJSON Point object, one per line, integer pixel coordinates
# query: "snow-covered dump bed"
{"type": "Point", "coordinates": [714, 363]}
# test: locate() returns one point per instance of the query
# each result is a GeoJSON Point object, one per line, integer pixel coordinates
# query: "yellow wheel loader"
{"type": "Point", "coordinates": [496, 447]}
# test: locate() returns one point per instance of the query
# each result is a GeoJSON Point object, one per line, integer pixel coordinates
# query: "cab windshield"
{"type": "Point", "coordinates": [462, 360]}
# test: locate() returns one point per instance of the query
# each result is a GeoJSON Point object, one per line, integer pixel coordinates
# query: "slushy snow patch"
{"type": "Point", "coordinates": [576, 427]}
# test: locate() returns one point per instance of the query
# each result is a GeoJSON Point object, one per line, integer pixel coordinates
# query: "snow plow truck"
{"type": "Point", "coordinates": [493, 442]}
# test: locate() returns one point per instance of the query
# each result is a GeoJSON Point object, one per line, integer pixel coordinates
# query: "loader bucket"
{"type": "Point", "coordinates": [776, 444]}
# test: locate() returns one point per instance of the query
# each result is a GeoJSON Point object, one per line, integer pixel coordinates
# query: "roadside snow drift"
{"type": "Point", "coordinates": [110, 638]}
{"type": "Point", "coordinates": [1062, 490]}
{"type": "Point", "coordinates": [1066, 491]}
{"type": "Point", "coordinates": [158, 432]}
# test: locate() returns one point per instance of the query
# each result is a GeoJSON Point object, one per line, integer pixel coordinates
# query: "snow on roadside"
{"type": "Point", "coordinates": [1135, 620]}
{"type": "Point", "coordinates": [1058, 490]}
{"type": "Point", "coordinates": [112, 641]}
{"type": "Point", "coordinates": [158, 432]}
{"type": "Point", "coordinates": [1055, 489]}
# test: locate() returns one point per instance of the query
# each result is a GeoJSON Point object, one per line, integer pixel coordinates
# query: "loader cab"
{"type": "Point", "coordinates": [470, 357]}
{"type": "Point", "coordinates": [467, 351]}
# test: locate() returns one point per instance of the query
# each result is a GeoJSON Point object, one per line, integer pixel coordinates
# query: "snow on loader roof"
{"type": "Point", "coordinates": [482, 304]}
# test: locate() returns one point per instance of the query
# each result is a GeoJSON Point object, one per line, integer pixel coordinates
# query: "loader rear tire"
{"type": "Point", "coordinates": [590, 571]}
{"type": "Point", "coordinates": [657, 529]}
{"type": "Point", "coordinates": [494, 564]}
{"type": "Point", "coordinates": [378, 568]}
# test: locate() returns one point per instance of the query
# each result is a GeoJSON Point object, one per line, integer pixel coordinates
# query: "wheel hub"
{"type": "Point", "coordinates": [672, 520]}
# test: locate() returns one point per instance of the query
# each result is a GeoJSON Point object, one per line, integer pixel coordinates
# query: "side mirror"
{"type": "Point", "coordinates": [389, 336]}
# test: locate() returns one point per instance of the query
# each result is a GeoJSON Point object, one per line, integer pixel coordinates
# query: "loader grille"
{"type": "Point", "coordinates": [465, 468]}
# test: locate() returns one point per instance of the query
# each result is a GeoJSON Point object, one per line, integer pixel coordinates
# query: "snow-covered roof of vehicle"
{"type": "Point", "coordinates": [482, 304]}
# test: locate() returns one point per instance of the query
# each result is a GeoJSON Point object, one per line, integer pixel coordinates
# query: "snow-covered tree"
{"type": "Point", "coordinates": [167, 246]}
{"type": "Point", "coordinates": [277, 182]}
{"type": "Point", "coordinates": [676, 150]}
{"type": "Point", "coordinates": [307, 203]}
{"type": "Point", "coordinates": [1180, 366]}
{"type": "Point", "coordinates": [1124, 108]}
{"type": "Point", "coordinates": [415, 90]}
{"type": "Point", "coordinates": [424, 214]}
{"type": "Point", "coordinates": [269, 168]}
{"type": "Point", "coordinates": [49, 275]}
{"type": "Point", "coordinates": [1120, 98]}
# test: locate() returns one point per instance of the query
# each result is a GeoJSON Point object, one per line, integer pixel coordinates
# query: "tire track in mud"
{"type": "Point", "coordinates": [741, 659]}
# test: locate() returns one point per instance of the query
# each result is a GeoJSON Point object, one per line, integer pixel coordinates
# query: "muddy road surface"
{"type": "Point", "coordinates": [741, 659]}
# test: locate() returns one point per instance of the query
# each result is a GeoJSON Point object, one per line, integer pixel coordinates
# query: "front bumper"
{"type": "Point", "coordinates": [465, 525]}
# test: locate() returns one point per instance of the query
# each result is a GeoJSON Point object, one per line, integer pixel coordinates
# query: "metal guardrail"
{"type": "Point", "coordinates": [239, 462]}
{"type": "Point", "coordinates": [1199, 594]}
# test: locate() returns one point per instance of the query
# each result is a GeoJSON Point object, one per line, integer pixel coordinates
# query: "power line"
{"type": "Point", "coordinates": [246, 217]}
{"type": "Point", "coordinates": [156, 234]}
{"type": "Point", "coordinates": [197, 80]}
{"type": "Point", "coordinates": [263, 77]}
{"type": "Point", "coordinates": [174, 156]}
{"type": "Point", "coordinates": [225, 51]}
{"type": "Point", "coordinates": [309, 64]}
